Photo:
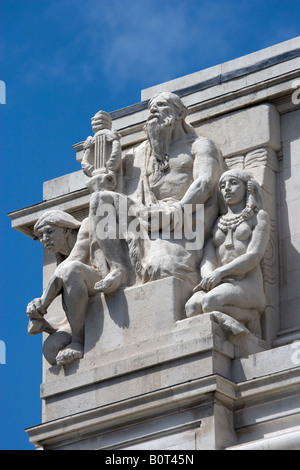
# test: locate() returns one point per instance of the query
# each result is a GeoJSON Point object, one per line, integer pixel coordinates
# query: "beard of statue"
{"type": "Point", "coordinates": [159, 130]}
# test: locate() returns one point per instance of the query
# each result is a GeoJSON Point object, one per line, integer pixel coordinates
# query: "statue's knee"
{"type": "Point", "coordinates": [100, 198]}
{"type": "Point", "coordinates": [210, 303]}
{"type": "Point", "coordinates": [68, 269]}
{"type": "Point", "coordinates": [193, 306]}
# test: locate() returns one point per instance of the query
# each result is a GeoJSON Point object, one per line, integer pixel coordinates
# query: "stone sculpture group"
{"type": "Point", "coordinates": [147, 227]}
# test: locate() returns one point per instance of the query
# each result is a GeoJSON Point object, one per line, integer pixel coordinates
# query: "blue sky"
{"type": "Point", "coordinates": [62, 61]}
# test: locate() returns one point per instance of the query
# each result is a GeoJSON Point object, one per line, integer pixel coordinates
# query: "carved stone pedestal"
{"type": "Point", "coordinates": [163, 383]}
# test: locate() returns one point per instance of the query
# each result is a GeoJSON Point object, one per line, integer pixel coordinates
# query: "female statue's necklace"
{"type": "Point", "coordinates": [229, 223]}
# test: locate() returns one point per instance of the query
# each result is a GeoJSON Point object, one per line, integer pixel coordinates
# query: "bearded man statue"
{"type": "Point", "coordinates": [173, 169]}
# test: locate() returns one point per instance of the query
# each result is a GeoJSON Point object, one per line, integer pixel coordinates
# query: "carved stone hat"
{"type": "Point", "coordinates": [57, 217]}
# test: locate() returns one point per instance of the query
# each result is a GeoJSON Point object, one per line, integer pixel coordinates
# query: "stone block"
{"type": "Point", "coordinates": [264, 363]}
{"type": "Point", "coordinates": [290, 125]}
{"type": "Point", "coordinates": [64, 185]}
{"type": "Point", "coordinates": [239, 132]}
{"type": "Point", "coordinates": [138, 336]}
{"type": "Point", "coordinates": [231, 68]}
{"type": "Point", "coordinates": [135, 314]}
{"type": "Point", "coordinates": [196, 414]}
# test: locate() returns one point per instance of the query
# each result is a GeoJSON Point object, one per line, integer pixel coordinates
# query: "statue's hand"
{"type": "Point", "coordinates": [151, 215]}
{"type": "Point", "coordinates": [211, 281]}
{"type": "Point", "coordinates": [88, 142]}
{"type": "Point", "coordinates": [35, 309]}
{"type": "Point", "coordinates": [159, 217]}
{"type": "Point", "coordinates": [87, 168]}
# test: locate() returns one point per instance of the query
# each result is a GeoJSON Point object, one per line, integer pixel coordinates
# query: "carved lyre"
{"type": "Point", "coordinates": [102, 153]}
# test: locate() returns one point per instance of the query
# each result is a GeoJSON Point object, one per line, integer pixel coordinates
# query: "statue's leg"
{"type": "Point", "coordinates": [194, 304]}
{"type": "Point", "coordinates": [78, 280]}
{"type": "Point", "coordinates": [53, 289]}
{"type": "Point", "coordinates": [104, 214]}
{"type": "Point", "coordinates": [234, 301]}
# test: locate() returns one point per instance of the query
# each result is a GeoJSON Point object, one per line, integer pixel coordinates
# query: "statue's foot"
{"type": "Point", "coordinates": [194, 304]}
{"type": "Point", "coordinates": [115, 279]}
{"type": "Point", "coordinates": [229, 324]}
{"type": "Point", "coordinates": [71, 352]}
{"type": "Point", "coordinates": [35, 326]}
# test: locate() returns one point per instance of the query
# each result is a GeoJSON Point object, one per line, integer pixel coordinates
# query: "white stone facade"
{"type": "Point", "coordinates": [151, 378]}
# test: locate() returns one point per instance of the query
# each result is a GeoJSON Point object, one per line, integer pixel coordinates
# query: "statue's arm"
{"type": "Point", "coordinates": [81, 249]}
{"type": "Point", "coordinates": [206, 172]}
{"type": "Point", "coordinates": [85, 163]}
{"type": "Point", "coordinates": [114, 161]}
{"type": "Point", "coordinates": [209, 259]}
{"type": "Point", "coordinates": [208, 263]}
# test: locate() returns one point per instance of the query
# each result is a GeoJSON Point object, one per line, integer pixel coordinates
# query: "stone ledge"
{"type": "Point", "coordinates": [24, 219]}
{"type": "Point", "coordinates": [137, 363]}
{"type": "Point", "coordinates": [244, 65]}
{"type": "Point", "coordinates": [286, 441]}
{"type": "Point", "coordinates": [267, 405]}
{"type": "Point", "coordinates": [271, 385]}
{"type": "Point", "coordinates": [163, 402]}
{"type": "Point", "coordinates": [134, 321]}
{"type": "Point", "coordinates": [85, 391]}
{"type": "Point", "coordinates": [266, 362]}
{"type": "Point", "coordinates": [201, 395]}
{"type": "Point", "coordinates": [138, 331]}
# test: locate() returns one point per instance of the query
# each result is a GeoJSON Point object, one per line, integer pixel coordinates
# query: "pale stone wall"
{"type": "Point", "coordinates": [289, 235]}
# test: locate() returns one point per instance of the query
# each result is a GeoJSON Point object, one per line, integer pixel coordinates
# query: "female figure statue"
{"type": "Point", "coordinates": [232, 280]}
